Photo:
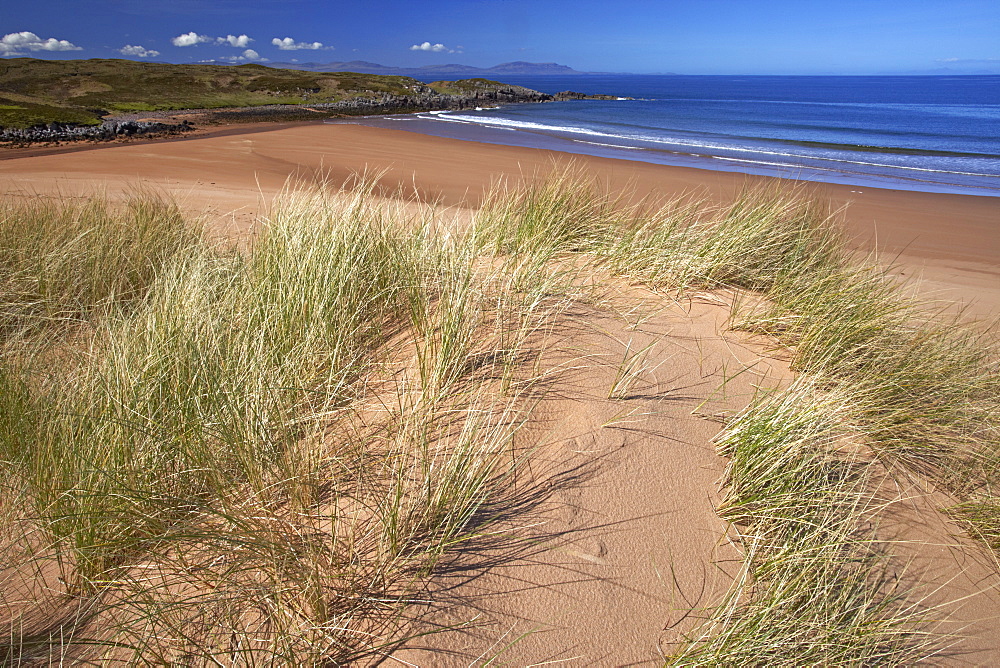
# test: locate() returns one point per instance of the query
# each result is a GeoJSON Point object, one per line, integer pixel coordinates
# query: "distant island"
{"type": "Point", "coordinates": [365, 67]}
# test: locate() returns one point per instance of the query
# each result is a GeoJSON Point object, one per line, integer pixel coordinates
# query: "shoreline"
{"type": "Point", "coordinates": [232, 172]}
{"type": "Point", "coordinates": [553, 139]}
{"type": "Point", "coordinates": [238, 120]}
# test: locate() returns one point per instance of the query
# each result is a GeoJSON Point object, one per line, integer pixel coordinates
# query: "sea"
{"type": "Point", "coordinates": [926, 133]}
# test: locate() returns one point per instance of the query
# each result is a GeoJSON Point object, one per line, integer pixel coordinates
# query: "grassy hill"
{"type": "Point", "coordinates": [34, 92]}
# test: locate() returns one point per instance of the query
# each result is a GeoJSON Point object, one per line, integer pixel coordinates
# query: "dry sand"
{"type": "Point", "coordinates": [615, 545]}
{"type": "Point", "coordinates": [953, 241]}
{"type": "Point", "coordinates": [618, 550]}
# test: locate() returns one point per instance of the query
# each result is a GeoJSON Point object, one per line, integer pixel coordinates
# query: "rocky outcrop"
{"type": "Point", "coordinates": [473, 93]}
{"type": "Point", "coordinates": [573, 95]}
{"type": "Point", "coordinates": [485, 90]}
{"type": "Point", "coordinates": [428, 100]}
{"type": "Point", "coordinates": [423, 99]}
{"type": "Point", "coordinates": [106, 131]}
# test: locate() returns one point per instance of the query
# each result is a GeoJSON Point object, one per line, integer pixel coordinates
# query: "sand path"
{"type": "Point", "coordinates": [616, 550]}
{"type": "Point", "coordinates": [619, 549]}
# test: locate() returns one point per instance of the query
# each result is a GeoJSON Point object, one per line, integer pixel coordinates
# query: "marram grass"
{"type": "Point", "coordinates": [818, 586]}
{"type": "Point", "coordinates": [62, 260]}
{"type": "Point", "coordinates": [241, 466]}
{"type": "Point", "coordinates": [254, 458]}
{"type": "Point", "coordinates": [917, 386]}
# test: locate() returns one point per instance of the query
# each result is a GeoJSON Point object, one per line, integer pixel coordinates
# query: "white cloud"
{"type": "Point", "coordinates": [190, 39]}
{"type": "Point", "coordinates": [427, 46]}
{"type": "Point", "coordinates": [248, 56]}
{"type": "Point", "coordinates": [16, 43]}
{"type": "Point", "coordinates": [241, 42]}
{"type": "Point", "coordinates": [142, 52]}
{"type": "Point", "coordinates": [289, 44]}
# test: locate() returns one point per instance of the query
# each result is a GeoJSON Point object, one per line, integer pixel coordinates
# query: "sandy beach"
{"type": "Point", "coordinates": [952, 241]}
{"type": "Point", "coordinates": [629, 535]}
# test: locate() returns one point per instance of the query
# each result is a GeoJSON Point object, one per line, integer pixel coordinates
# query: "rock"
{"type": "Point", "coordinates": [106, 131]}
{"type": "Point", "coordinates": [573, 95]}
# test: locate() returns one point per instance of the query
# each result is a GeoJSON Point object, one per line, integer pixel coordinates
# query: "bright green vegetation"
{"type": "Point", "coordinates": [81, 91]}
{"type": "Point", "coordinates": [256, 456]}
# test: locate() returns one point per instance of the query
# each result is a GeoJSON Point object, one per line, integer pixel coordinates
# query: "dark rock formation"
{"type": "Point", "coordinates": [573, 95]}
{"type": "Point", "coordinates": [106, 131]}
{"type": "Point", "coordinates": [423, 99]}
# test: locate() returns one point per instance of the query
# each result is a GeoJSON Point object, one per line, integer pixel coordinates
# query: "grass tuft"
{"type": "Point", "coordinates": [254, 459]}
{"type": "Point", "coordinates": [818, 586]}
{"type": "Point", "coordinates": [62, 261]}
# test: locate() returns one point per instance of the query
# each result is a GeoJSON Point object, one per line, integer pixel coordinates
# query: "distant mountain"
{"type": "Point", "coordinates": [364, 67]}
{"type": "Point", "coordinates": [948, 71]}
{"type": "Point", "coordinates": [521, 67]}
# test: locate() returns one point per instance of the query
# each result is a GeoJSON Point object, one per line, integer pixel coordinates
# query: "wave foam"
{"type": "Point", "coordinates": [511, 124]}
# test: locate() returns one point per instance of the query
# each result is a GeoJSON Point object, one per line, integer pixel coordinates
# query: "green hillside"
{"type": "Point", "coordinates": [34, 92]}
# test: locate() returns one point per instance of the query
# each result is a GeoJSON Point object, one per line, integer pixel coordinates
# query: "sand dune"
{"type": "Point", "coordinates": [620, 548]}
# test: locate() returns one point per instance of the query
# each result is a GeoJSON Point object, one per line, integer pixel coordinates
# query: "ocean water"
{"type": "Point", "coordinates": [930, 133]}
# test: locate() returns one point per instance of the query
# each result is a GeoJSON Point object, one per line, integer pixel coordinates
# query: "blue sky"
{"type": "Point", "coordinates": [644, 36]}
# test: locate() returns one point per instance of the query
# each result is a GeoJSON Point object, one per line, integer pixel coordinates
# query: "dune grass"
{"type": "Point", "coordinates": [916, 385]}
{"type": "Point", "coordinates": [255, 457]}
{"type": "Point", "coordinates": [818, 585]}
{"type": "Point", "coordinates": [924, 381]}
{"type": "Point", "coordinates": [62, 260]}
{"type": "Point", "coordinates": [907, 379]}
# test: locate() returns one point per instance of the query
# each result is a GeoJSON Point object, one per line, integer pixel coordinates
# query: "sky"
{"type": "Point", "coordinates": [641, 36]}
